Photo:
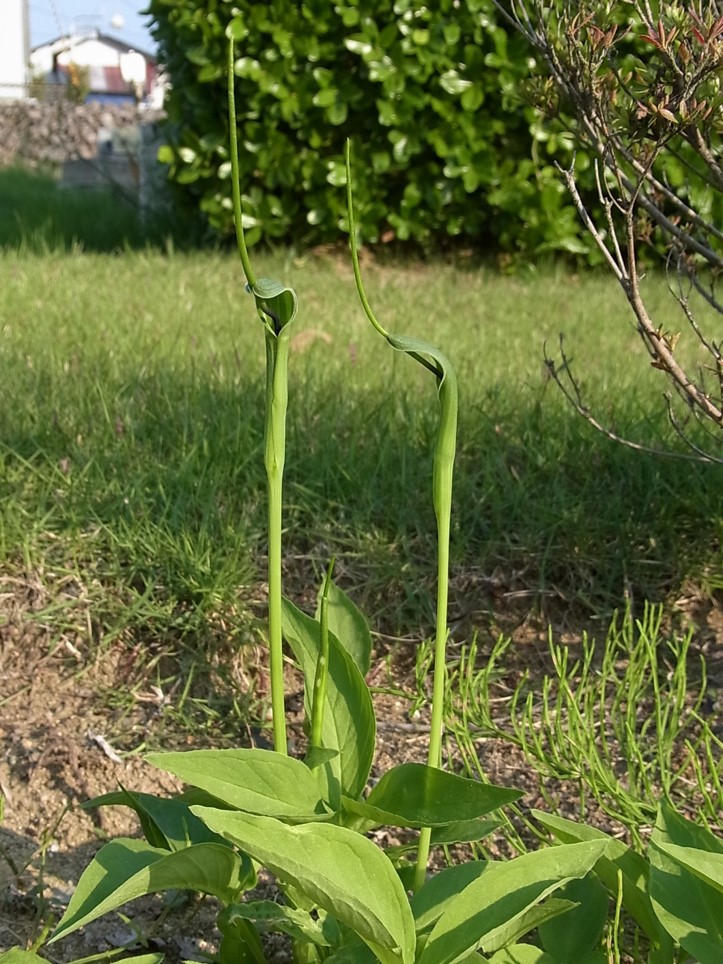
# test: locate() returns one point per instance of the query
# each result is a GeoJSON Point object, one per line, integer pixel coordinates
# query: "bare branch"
{"type": "Point", "coordinates": [573, 394]}
{"type": "Point", "coordinates": [643, 81]}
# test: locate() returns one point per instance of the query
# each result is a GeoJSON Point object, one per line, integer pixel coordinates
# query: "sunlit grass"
{"type": "Point", "coordinates": [132, 429]}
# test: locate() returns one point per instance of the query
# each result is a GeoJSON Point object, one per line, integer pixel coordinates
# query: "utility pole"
{"type": "Point", "coordinates": [26, 43]}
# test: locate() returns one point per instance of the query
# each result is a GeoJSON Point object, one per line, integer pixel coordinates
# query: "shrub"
{"type": "Point", "coordinates": [430, 95]}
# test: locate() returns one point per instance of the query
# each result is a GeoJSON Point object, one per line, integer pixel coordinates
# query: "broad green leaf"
{"type": "Point", "coordinates": [240, 941]}
{"type": "Point", "coordinates": [528, 954]}
{"type": "Point", "coordinates": [439, 892]}
{"type": "Point", "coordinates": [18, 956]}
{"type": "Point", "coordinates": [571, 936]}
{"type": "Point", "coordinates": [341, 871]}
{"type": "Point", "coordinates": [166, 822]}
{"type": "Point", "coordinates": [348, 624]}
{"type": "Point", "coordinates": [357, 953]}
{"type": "Point", "coordinates": [349, 726]}
{"type": "Point", "coordinates": [317, 756]}
{"type": "Point", "coordinates": [635, 870]}
{"type": "Point", "coordinates": [358, 44]}
{"type": "Point", "coordinates": [466, 831]}
{"type": "Point", "coordinates": [503, 892]}
{"type": "Point", "coordinates": [257, 781]}
{"type": "Point", "coordinates": [525, 954]}
{"type": "Point", "coordinates": [690, 909]}
{"type": "Point", "coordinates": [125, 869]}
{"type": "Point", "coordinates": [708, 867]}
{"type": "Point", "coordinates": [529, 920]}
{"type": "Point", "coordinates": [237, 29]}
{"type": "Point", "coordinates": [270, 916]}
{"type": "Point", "coordinates": [415, 795]}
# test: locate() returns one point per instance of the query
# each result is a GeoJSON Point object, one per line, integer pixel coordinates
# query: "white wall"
{"type": "Point", "coordinates": [13, 48]}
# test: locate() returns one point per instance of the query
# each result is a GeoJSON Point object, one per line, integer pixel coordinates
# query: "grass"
{"type": "Point", "coordinates": [37, 215]}
{"type": "Point", "coordinates": [131, 454]}
{"type": "Point", "coordinates": [132, 433]}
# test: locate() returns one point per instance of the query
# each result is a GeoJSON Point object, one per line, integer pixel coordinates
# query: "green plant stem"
{"type": "Point", "coordinates": [277, 357]}
{"type": "Point", "coordinates": [277, 363]}
{"type": "Point", "coordinates": [357, 270]}
{"type": "Point", "coordinates": [235, 182]}
{"type": "Point", "coordinates": [443, 476]}
{"type": "Point", "coordinates": [444, 454]}
{"type": "Point", "coordinates": [322, 667]}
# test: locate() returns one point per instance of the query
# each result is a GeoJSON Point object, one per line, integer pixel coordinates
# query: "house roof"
{"type": "Point", "coordinates": [113, 42]}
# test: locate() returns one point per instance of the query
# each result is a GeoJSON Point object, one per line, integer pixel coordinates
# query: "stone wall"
{"type": "Point", "coordinates": [38, 134]}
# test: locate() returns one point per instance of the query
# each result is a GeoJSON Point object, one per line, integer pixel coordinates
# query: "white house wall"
{"type": "Point", "coordinates": [13, 48]}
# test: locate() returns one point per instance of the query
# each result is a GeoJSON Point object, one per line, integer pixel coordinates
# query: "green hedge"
{"type": "Point", "coordinates": [444, 147]}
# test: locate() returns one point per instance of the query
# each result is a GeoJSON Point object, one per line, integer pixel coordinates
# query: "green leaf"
{"type": "Point", "coordinates": [270, 916]}
{"type": "Point", "coordinates": [358, 44]}
{"type": "Point", "coordinates": [439, 892]}
{"type": "Point", "coordinates": [571, 936]}
{"type": "Point", "coordinates": [349, 726]}
{"type": "Point", "coordinates": [317, 756]}
{"type": "Point", "coordinates": [18, 956]}
{"type": "Point", "coordinates": [125, 869]}
{"type": "Point", "coordinates": [503, 893]}
{"type": "Point", "coordinates": [708, 867]}
{"type": "Point", "coordinates": [529, 920]}
{"type": "Point", "coordinates": [635, 870]}
{"type": "Point", "coordinates": [688, 903]}
{"type": "Point", "coordinates": [240, 941]}
{"type": "Point", "coordinates": [334, 867]}
{"type": "Point", "coordinates": [166, 822]}
{"type": "Point", "coordinates": [524, 954]}
{"type": "Point", "coordinates": [453, 83]}
{"type": "Point", "coordinates": [357, 953]}
{"type": "Point", "coordinates": [166, 154]}
{"type": "Point", "coordinates": [348, 624]}
{"type": "Point", "coordinates": [466, 831]}
{"type": "Point", "coordinates": [415, 795]}
{"type": "Point", "coordinates": [257, 781]}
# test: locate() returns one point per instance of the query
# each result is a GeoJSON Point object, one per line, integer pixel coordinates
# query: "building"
{"type": "Point", "coordinates": [102, 68]}
{"type": "Point", "coordinates": [14, 42]}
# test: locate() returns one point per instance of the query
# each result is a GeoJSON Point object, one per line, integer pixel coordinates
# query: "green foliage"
{"type": "Point", "coordinates": [430, 96]}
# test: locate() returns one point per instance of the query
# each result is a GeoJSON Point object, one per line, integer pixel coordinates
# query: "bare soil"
{"type": "Point", "coordinates": [66, 737]}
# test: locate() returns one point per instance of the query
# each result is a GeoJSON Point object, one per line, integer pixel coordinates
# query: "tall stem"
{"type": "Point", "coordinates": [235, 182]}
{"type": "Point", "coordinates": [434, 361]}
{"type": "Point", "coordinates": [443, 471]}
{"type": "Point", "coordinates": [322, 666]}
{"type": "Point", "coordinates": [277, 360]}
{"type": "Point", "coordinates": [434, 754]}
{"type": "Point", "coordinates": [277, 356]}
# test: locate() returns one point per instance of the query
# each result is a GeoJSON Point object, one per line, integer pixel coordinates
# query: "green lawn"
{"type": "Point", "coordinates": [131, 429]}
{"type": "Point", "coordinates": [132, 492]}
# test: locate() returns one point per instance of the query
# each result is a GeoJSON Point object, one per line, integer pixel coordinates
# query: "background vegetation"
{"type": "Point", "coordinates": [432, 97]}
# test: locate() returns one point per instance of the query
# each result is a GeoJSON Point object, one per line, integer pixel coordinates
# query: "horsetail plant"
{"type": "Point", "coordinates": [431, 358]}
